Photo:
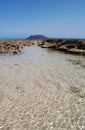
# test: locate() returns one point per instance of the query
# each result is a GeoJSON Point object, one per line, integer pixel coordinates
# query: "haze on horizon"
{"type": "Point", "coordinates": [53, 18]}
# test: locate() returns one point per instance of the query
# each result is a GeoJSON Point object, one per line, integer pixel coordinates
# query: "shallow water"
{"type": "Point", "coordinates": [36, 90]}
{"type": "Point", "coordinates": [69, 67]}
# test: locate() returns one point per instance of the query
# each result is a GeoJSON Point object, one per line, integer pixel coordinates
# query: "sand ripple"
{"type": "Point", "coordinates": [42, 89]}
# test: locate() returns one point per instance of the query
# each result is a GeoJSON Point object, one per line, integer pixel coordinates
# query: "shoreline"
{"type": "Point", "coordinates": [76, 47]}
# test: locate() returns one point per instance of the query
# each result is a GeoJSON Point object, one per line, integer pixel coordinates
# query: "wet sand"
{"type": "Point", "coordinates": [42, 89]}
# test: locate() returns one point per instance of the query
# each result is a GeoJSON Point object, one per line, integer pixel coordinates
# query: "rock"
{"type": "Point", "coordinates": [48, 44]}
{"type": "Point", "coordinates": [71, 46]}
{"type": "Point", "coordinates": [75, 89]}
{"type": "Point", "coordinates": [77, 51]}
{"type": "Point", "coordinates": [68, 46]}
{"type": "Point", "coordinates": [15, 51]}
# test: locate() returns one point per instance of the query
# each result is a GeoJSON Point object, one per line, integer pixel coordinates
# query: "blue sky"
{"type": "Point", "coordinates": [53, 18]}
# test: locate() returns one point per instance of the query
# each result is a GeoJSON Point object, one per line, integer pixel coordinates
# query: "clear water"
{"type": "Point", "coordinates": [35, 90]}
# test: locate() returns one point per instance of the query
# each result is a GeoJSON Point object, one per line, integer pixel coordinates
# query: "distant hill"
{"type": "Point", "coordinates": [37, 37]}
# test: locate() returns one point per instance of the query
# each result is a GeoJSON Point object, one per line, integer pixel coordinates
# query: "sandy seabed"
{"type": "Point", "coordinates": [42, 89]}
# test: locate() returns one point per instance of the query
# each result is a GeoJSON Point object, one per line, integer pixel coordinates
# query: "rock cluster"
{"type": "Point", "coordinates": [69, 46]}
{"type": "Point", "coordinates": [14, 46]}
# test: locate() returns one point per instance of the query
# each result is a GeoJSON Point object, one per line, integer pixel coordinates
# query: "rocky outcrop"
{"type": "Point", "coordinates": [14, 46]}
{"type": "Point", "coordinates": [69, 46]}
{"type": "Point", "coordinates": [48, 44]}
{"type": "Point", "coordinates": [72, 46]}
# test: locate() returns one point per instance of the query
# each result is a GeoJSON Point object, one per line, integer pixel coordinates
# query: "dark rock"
{"type": "Point", "coordinates": [48, 44]}
{"type": "Point", "coordinates": [15, 51]}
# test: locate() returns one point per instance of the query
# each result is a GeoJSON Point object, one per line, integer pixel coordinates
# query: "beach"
{"type": "Point", "coordinates": [42, 89]}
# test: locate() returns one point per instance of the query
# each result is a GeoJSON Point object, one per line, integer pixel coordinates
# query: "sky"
{"type": "Point", "coordinates": [53, 18]}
